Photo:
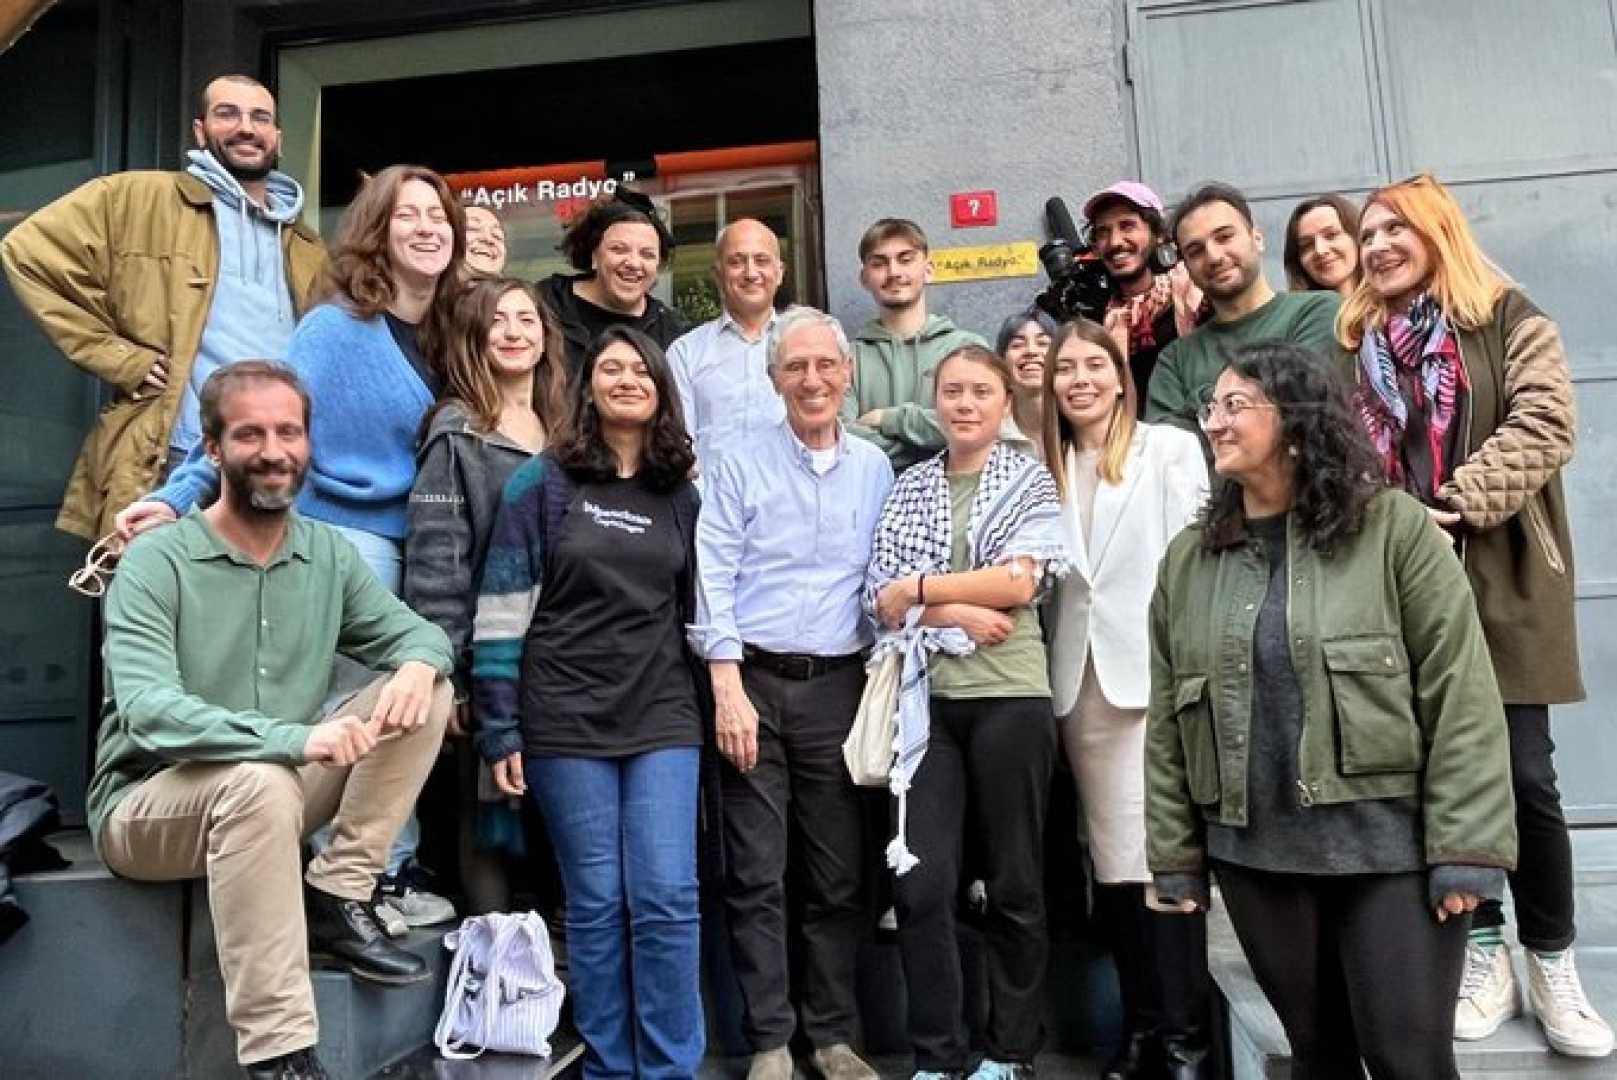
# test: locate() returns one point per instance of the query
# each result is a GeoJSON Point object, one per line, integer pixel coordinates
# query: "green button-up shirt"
{"type": "Point", "coordinates": [212, 657]}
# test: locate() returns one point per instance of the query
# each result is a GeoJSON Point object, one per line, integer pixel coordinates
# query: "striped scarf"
{"type": "Point", "coordinates": [1016, 513]}
{"type": "Point", "coordinates": [1421, 346]}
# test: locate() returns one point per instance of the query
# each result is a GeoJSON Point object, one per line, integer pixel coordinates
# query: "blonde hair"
{"type": "Point", "coordinates": [1465, 282]}
{"type": "Point", "coordinates": [1059, 434]}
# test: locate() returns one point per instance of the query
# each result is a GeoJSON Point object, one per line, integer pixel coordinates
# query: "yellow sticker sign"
{"type": "Point", "coordinates": [990, 261]}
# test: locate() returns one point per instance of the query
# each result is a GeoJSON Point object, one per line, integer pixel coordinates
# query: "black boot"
{"type": "Point", "coordinates": [349, 932]}
{"type": "Point", "coordinates": [298, 1065]}
{"type": "Point", "coordinates": [1138, 1058]}
{"type": "Point", "coordinates": [1189, 1056]}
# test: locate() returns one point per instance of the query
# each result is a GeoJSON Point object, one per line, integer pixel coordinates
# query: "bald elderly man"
{"type": "Point", "coordinates": [719, 367]}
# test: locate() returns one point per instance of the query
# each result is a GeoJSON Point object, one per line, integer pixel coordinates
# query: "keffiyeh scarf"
{"type": "Point", "coordinates": [1411, 385]}
{"type": "Point", "coordinates": [1016, 513]}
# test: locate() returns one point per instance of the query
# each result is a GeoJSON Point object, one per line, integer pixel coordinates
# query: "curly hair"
{"type": "Point", "coordinates": [361, 271]}
{"type": "Point", "coordinates": [468, 372]}
{"type": "Point", "coordinates": [666, 456]}
{"type": "Point", "coordinates": [1336, 471]}
{"type": "Point", "coordinates": [584, 235]}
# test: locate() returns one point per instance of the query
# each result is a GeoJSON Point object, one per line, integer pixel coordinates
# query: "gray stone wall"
{"type": "Point", "coordinates": [921, 98]}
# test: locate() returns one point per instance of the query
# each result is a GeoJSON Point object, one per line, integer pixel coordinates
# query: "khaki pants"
{"type": "Point", "coordinates": [241, 825]}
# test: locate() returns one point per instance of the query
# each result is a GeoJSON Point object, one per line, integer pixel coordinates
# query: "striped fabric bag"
{"type": "Point", "coordinates": [503, 992]}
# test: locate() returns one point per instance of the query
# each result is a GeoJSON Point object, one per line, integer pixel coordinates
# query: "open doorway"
{"type": "Point", "coordinates": [547, 110]}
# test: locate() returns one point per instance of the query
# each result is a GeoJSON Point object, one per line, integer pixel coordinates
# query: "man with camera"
{"type": "Point", "coordinates": [1152, 296]}
{"type": "Point", "coordinates": [1223, 251]}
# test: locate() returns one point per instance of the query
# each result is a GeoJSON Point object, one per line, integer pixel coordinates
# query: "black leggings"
{"type": "Point", "coordinates": [987, 768]}
{"type": "Point", "coordinates": [1357, 967]}
{"type": "Point", "coordinates": [1541, 884]}
{"type": "Point", "coordinates": [1161, 962]}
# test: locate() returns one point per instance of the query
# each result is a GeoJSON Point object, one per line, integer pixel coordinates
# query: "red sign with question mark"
{"type": "Point", "coordinates": [970, 208]}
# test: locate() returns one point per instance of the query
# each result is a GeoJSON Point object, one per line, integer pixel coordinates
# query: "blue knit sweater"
{"type": "Point", "coordinates": [368, 405]}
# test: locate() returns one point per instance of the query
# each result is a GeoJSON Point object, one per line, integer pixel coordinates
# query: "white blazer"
{"type": "Point", "coordinates": [1103, 604]}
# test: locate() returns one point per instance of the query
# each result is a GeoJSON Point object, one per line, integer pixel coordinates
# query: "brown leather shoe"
{"type": "Point", "coordinates": [839, 1062]}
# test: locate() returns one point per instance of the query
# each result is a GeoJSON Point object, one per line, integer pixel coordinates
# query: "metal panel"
{"type": "Point", "coordinates": [1527, 138]}
{"type": "Point", "coordinates": [1277, 97]}
{"type": "Point", "coordinates": [1472, 99]}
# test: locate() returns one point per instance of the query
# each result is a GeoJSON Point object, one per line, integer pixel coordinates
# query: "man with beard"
{"type": "Point", "coordinates": [1155, 305]}
{"type": "Point", "coordinates": [153, 280]}
{"type": "Point", "coordinates": [889, 400]}
{"type": "Point", "coordinates": [1223, 251]}
{"type": "Point", "coordinates": [211, 760]}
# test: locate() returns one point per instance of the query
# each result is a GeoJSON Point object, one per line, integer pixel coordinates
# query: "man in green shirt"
{"type": "Point", "coordinates": [889, 399]}
{"type": "Point", "coordinates": [220, 635]}
{"type": "Point", "coordinates": [1223, 251]}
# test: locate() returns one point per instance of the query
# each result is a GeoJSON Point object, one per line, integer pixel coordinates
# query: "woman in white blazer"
{"type": "Point", "coordinates": [1127, 488]}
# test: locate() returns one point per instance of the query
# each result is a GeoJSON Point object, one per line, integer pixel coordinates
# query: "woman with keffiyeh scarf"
{"type": "Point", "coordinates": [967, 542]}
{"type": "Point", "coordinates": [1464, 389]}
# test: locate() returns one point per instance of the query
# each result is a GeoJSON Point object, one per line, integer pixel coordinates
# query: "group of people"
{"type": "Point", "coordinates": [638, 573]}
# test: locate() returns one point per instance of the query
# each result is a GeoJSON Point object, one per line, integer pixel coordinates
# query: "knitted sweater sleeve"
{"type": "Point", "coordinates": [512, 576]}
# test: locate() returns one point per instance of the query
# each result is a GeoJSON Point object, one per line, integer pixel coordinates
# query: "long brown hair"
{"type": "Point", "coordinates": [1060, 435]}
{"type": "Point", "coordinates": [1297, 278]}
{"type": "Point", "coordinates": [361, 271]}
{"type": "Point", "coordinates": [469, 372]}
{"type": "Point", "coordinates": [1465, 282]}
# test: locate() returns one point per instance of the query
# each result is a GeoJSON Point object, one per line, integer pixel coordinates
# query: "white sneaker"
{"type": "Point", "coordinates": [391, 920]}
{"type": "Point", "coordinates": [418, 907]}
{"type": "Point", "coordinates": [1488, 994]}
{"type": "Point", "coordinates": [1555, 994]}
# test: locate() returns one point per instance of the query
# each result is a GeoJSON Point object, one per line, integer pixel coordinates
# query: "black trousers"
{"type": "Point", "coordinates": [1357, 967]}
{"type": "Point", "coordinates": [1541, 884]}
{"type": "Point", "coordinates": [987, 767]}
{"type": "Point", "coordinates": [798, 795]}
{"type": "Point", "coordinates": [1161, 962]}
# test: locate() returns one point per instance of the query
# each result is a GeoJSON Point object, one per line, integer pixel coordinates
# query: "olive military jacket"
{"type": "Point", "coordinates": [117, 273]}
{"type": "Point", "coordinates": [1399, 696]}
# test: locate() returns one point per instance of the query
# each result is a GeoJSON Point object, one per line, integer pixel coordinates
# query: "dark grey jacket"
{"type": "Point", "coordinates": [460, 475]}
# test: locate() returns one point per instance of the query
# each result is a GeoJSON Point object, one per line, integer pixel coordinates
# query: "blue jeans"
{"type": "Point", "coordinates": [385, 557]}
{"type": "Point", "coordinates": [624, 831]}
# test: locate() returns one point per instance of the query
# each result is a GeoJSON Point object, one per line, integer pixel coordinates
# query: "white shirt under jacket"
{"type": "Point", "coordinates": [1103, 604]}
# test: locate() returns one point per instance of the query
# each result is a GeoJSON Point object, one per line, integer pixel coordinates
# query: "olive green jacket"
{"type": "Point", "coordinates": [117, 273]}
{"type": "Point", "coordinates": [1399, 697]}
{"type": "Point", "coordinates": [1519, 428]}
{"type": "Point", "coordinates": [895, 375]}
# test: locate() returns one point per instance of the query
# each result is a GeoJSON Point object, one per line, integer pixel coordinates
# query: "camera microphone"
{"type": "Point", "coordinates": [1059, 222]}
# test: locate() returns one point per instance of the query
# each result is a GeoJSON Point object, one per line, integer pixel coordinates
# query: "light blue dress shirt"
{"type": "Point", "coordinates": [781, 549]}
{"type": "Point", "coordinates": [724, 386]}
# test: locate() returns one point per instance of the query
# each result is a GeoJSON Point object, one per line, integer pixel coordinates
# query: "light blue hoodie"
{"type": "Point", "coordinates": [251, 316]}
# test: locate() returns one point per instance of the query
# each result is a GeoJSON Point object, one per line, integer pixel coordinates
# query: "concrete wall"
{"type": "Point", "coordinates": [921, 98]}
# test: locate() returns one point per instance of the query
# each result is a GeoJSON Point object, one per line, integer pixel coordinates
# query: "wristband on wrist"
{"type": "Point", "coordinates": [920, 591]}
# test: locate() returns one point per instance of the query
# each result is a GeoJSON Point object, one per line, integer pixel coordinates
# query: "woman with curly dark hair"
{"type": "Point", "coordinates": [1325, 733]}
{"type": "Point", "coordinates": [619, 245]}
{"type": "Point", "coordinates": [582, 685]}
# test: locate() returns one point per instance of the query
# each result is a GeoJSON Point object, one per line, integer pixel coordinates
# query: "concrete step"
{"type": "Point", "coordinates": [113, 978]}
{"type": "Point", "coordinates": [1517, 1050]}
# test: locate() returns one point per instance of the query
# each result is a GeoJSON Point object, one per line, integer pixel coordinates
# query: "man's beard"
{"type": "Point", "coordinates": [242, 172]}
{"type": "Point", "coordinates": [1249, 274]}
{"type": "Point", "coordinates": [249, 498]}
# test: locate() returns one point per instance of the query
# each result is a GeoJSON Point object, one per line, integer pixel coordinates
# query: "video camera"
{"type": "Point", "coordinates": [1079, 283]}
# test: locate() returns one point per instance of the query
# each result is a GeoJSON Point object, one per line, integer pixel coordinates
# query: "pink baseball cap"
{"type": "Point", "coordinates": [1131, 191]}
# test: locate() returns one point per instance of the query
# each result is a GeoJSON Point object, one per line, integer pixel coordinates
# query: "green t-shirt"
{"type": "Point", "coordinates": [1188, 368]}
{"type": "Point", "coordinates": [1016, 667]}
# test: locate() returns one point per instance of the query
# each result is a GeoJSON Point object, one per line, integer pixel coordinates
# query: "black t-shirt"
{"type": "Point", "coordinates": [407, 336]}
{"type": "Point", "coordinates": [604, 671]}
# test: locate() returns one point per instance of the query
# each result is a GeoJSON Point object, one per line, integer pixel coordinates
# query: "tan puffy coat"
{"type": "Point", "coordinates": [119, 272]}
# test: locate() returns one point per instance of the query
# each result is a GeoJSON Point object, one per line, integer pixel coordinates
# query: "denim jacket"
{"type": "Point", "coordinates": [1399, 695]}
